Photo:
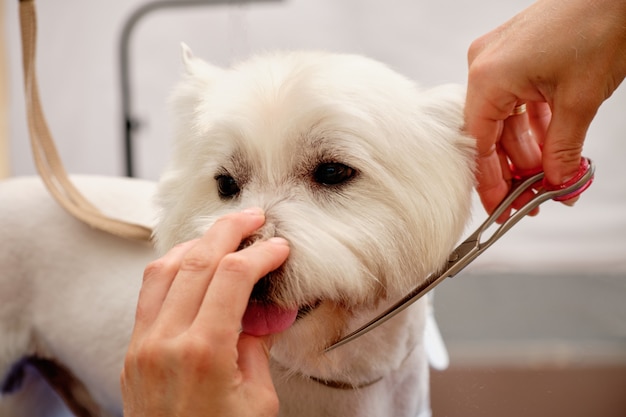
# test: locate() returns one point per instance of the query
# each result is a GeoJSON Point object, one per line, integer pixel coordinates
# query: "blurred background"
{"type": "Point", "coordinates": [536, 326]}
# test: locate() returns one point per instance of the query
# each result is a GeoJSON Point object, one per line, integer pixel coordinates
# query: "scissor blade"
{"type": "Point", "coordinates": [431, 282]}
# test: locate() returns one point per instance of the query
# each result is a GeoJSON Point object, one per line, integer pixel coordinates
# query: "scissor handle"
{"type": "Point", "coordinates": [577, 184]}
{"type": "Point", "coordinates": [568, 190]}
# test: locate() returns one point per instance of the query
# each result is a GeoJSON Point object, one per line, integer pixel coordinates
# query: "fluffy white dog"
{"type": "Point", "coordinates": [366, 175]}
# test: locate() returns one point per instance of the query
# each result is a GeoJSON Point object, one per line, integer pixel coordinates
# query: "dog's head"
{"type": "Point", "coordinates": [366, 175]}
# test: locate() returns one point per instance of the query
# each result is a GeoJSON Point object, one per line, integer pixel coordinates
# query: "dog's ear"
{"type": "Point", "coordinates": [197, 81]}
{"type": "Point", "coordinates": [197, 67]}
{"type": "Point", "coordinates": [446, 103]}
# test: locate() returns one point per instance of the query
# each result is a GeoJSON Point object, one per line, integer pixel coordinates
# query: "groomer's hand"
{"type": "Point", "coordinates": [561, 58]}
{"type": "Point", "coordinates": [187, 356]}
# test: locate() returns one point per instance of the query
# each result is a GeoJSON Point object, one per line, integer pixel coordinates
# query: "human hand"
{"type": "Point", "coordinates": [186, 355]}
{"type": "Point", "coordinates": [561, 58]}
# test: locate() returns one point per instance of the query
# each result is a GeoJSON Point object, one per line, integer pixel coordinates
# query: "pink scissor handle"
{"type": "Point", "coordinates": [582, 170]}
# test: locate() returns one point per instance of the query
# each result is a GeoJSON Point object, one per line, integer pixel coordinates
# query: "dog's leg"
{"type": "Point", "coordinates": [35, 398]}
{"type": "Point", "coordinates": [72, 391]}
{"type": "Point", "coordinates": [69, 389]}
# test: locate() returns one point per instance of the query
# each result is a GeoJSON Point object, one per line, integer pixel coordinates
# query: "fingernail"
{"type": "Point", "coordinates": [278, 241]}
{"type": "Point", "coordinates": [566, 179]}
{"type": "Point", "coordinates": [255, 211]}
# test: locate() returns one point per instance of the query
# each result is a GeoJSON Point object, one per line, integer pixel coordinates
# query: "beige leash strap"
{"type": "Point", "coordinates": [45, 154]}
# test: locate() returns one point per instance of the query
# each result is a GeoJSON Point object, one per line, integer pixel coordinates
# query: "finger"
{"type": "Point", "coordinates": [487, 103]}
{"type": "Point", "coordinates": [563, 145]}
{"type": "Point", "coordinates": [539, 116]}
{"type": "Point", "coordinates": [484, 121]}
{"type": "Point", "coordinates": [226, 300]}
{"type": "Point", "coordinates": [255, 370]}
{"type": "Point", "coordinates": [253, 361]}
{"type": "Point", "coordinates": [520, 144]}
{"type": "Point", "coordinates": [491, 184]}
{"type": "Point", "coordinates": [157, 279]}
{"type": "Point", "coordinates": [525, 150]}
{"type": "Point", "coordinates": [199, 265]}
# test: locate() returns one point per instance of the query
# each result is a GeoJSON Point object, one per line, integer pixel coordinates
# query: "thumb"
{"type": "Point", "coordinates": [254, 359]}
{"type": "Point", "coordinates": [563, 144]}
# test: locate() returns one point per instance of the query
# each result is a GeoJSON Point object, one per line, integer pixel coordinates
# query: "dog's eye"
{"type": "Point", "coordinates": [227, 186]}
{"type": "Point", "coordinates": [332, 173]}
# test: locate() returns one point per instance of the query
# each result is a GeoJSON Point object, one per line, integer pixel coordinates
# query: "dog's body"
{"type": "Point", "coordinates": [366, 176]}
{"type": "Point", "coordinates": [67, 291]}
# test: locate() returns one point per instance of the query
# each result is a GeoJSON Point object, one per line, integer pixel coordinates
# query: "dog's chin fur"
{"type": "Point", "coordinates": [268, 123]}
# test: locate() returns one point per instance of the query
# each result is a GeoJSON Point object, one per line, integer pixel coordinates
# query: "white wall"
{"type": "Point", "coordinates": [4, 151]}
{"type": "Point", "coordinates": [426, 40]}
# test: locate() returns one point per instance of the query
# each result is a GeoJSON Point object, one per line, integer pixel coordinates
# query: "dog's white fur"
{"type": "Point", "coordinates": [270, 123]}
{"type": "Point", "coordinates": [68, 292]}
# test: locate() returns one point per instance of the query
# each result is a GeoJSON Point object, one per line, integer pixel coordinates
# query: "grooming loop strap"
{"type": "Point", "coordinates": [45, 154]}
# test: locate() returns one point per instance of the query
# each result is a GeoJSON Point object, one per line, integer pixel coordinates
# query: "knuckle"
{"type": "Point", "coordinates": [144, 357]}
{"type": "Point", "coordinates": [191, 349]}
{"type": "Point", "coordinates": [196, 355]}
{"type": "Point", "coordinates": [581, 101]}
{"type": "Point", "coordinates": [568, 155]}
{"type": "Point", "coordinates": [475, 48]}
{"type": "Point", "coordinates": [167, 265]}
{"type": "Point", "coordinates": [477, 55]}
{"type": "Point", "coordinates": [156, 352]}
{"type": "Point", "coordinates": [481, 71]}
{"type": "Point", "coordinates": [157, 268]}
{"type": "Point", "coordinates": [195, 261]}
{"type": "Point", "coordinates": [236, 264]}
{"type": "Point", "coordinates": [573, 103]}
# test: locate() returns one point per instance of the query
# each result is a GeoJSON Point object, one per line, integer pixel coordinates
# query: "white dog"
{"type": "Point", "coordinates": [367, 176]}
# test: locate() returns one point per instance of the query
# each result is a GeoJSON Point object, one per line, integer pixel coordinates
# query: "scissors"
{"type": "Point", "coordinates": [476, 244]}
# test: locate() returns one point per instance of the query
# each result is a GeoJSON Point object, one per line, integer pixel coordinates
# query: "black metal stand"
{"type": "Point", "coordinates": [130, 124]}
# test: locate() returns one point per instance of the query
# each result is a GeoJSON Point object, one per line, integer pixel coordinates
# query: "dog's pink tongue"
{"type": "Point", "coordinates": [265, 319]}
